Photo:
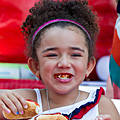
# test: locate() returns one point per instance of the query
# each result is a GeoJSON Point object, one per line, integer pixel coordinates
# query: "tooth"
{"type": "Point", "coordinates": [59, 76]}
{"type": "Point", "coordinates": [63, 76]}
{"type": "Point", "coordinates": [66, 76]}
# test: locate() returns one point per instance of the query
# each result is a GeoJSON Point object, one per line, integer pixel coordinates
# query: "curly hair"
{"type": "Point", "coordinates": [46, 10]}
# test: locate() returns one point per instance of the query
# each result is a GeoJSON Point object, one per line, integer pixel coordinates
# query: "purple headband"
{"type": "Point", "coordinates": [59, 20]}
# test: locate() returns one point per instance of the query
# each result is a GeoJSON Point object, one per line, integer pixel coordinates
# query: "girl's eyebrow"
{"type": "Point", "coordinates": [77, 48]}
{"type": "Point", "coordinates": [54, 48]}
{"type": "Point", "coordinates": [48, 49]}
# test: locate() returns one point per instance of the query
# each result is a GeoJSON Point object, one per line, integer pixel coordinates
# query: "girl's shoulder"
{"type": "Point", "coordinates": [106, 106]}
{"type": "Point", "coordinates": [93, 95]}
{"type": "Point", "coordinates": [105, 102]}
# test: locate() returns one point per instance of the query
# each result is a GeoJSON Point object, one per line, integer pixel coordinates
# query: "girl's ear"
{"type": "Point", "coordinates": [91, 65]}
{"type": "Point", "coordinates": [34, 66]}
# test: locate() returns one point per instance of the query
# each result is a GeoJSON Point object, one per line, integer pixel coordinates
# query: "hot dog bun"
{"type": "Point", "coordinates": [50, 117]}
{"type": "Point", "coordinates": [32, 110]}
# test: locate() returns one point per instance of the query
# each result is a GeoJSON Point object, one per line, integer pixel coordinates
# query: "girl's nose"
{"type": "Point", "coordinates": [64, 62]}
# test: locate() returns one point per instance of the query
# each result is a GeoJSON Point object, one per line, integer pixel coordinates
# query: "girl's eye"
{"type": "Point", "coordinates": [51, 55]}
{"type": "Point", "coordinates": [75, 55]}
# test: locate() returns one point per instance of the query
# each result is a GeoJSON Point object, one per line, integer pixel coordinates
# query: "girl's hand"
{"type": "Point", "coordinates": [103, 117]}
{"type": "Point", "coordinates": [12, 101]}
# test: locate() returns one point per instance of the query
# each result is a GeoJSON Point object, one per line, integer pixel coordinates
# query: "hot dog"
{"type": "Point", "coordinates": [32, 110]}
{"type": "Point", "coordinates": [50, 117]}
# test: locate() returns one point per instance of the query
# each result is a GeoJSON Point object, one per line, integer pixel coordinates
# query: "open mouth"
{"type": "Point", "coordinates": [63, 76]}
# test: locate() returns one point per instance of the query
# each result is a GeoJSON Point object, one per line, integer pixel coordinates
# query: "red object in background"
{"type": "Point", "coordinates": [116, 91]}
{"type": "Point", "coordinates": [11, 40]}
{"type": "Point", "coordinates": [16, 84]}
{"type": "Point", "coordinates": [13, 13]}
{"type": "Point", "coordinates": [106, 11]}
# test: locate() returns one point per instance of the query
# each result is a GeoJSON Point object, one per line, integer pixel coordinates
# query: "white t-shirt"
{"type": "Point", "coordinates": [83, 110]}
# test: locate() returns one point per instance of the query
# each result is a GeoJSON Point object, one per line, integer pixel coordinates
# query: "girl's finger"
{"type": "Point", "coordinates": [9, 103]}
{"type": "Point", "coordinates": [17, 104]}
{"type": "Point", "coordinates": [21, 99]}
{"type": "Point", "coordinates": [107, 117]}
{"type": "Point", "coordinates": [103, 117]}
{"type": "Point", "coordinates": [18, 101]}
{"type": "Point", "coordinates": [3, 107]}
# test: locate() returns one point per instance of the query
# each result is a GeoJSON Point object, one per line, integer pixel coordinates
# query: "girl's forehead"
{"type": "Point", "coordinates": [61, 29]}
{"type": "Point", "coordinates": [68, 36]}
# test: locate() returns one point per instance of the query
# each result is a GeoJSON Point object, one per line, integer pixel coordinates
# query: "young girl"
{"type": "Point", "coordinates": [60, 45]}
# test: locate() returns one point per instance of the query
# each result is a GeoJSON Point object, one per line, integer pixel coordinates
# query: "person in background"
{"type": "Point", "coordinates": [109, 88]}
{"type": "Point", "coordinates": [114, 64]}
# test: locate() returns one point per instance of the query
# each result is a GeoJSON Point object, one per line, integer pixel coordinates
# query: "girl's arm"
{"type": "Point", "coordinates": [106, 106]}
{"type": "Point", "coordinates": [15, 100]}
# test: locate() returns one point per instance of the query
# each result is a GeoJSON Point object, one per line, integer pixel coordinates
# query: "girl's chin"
{"type": "Point", "coordinates": [63, 89]}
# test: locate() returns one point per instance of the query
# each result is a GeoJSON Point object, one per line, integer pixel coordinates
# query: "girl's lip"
{"type": "Point", "coordinates": [63, 80]}
{"type": "Point", "coordinates": [63, 73]}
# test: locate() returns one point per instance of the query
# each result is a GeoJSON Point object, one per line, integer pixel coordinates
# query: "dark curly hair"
{"type": "Point", "coordinates": [46, 10]}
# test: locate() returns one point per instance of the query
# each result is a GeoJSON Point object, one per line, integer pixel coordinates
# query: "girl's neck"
{"type": "Point", "coordinates": [58, 100]}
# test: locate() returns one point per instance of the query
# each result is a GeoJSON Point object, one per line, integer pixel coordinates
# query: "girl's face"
{"type": "Point", "coordinates": [63, 59]}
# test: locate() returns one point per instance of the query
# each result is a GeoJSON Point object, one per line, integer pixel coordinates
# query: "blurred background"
{"type": "Point", "coordinates": [14, 72]}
